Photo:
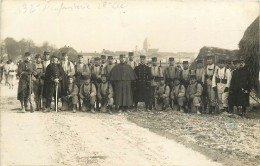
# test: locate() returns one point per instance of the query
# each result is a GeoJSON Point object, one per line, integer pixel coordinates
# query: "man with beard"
{"type": "Point", "coordinates": [143, 84]}
{"type": "Point", "coordinates": [123, 76]}
{"type": "Point", "coordinates": [240, 87]}
{"type": "Point", "coordinates": [25, 70]}
{"type": "Point", "coordinates": [54, 75]}
{"type": "Point", "coordinates": [131, 61]}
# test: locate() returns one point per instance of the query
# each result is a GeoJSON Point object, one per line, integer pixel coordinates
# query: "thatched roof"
{"type": "Point", "coordinates": [249, 50]}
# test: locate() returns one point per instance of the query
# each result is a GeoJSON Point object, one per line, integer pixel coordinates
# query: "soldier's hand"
{"type": "Point", "coordinates": [215, 88]}
{"type": "Point", "coordinates": [226, 89]}
{"type": "Point", "coordinates": [56, 80]}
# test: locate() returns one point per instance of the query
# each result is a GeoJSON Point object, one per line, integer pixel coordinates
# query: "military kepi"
{"type": "Point", "coordinates": [154, 59]}
{"type": "Point", "coordinates": [142, 57]}
{"type": "Point", "coordinates": [171, 59]}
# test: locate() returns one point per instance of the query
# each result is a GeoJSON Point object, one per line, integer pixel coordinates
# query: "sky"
{"type": "Point", "coordinates": [88, 26]}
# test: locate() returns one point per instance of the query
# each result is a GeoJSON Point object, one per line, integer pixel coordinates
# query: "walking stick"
{"type": "Point", "coordinates": [30, 93]}
{"type": "Point", "coordinates": [56, 97]}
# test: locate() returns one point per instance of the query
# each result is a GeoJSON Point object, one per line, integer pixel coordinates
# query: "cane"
{"type": "Point", "coordinates": [56, 97]}
{"type": "Point", "coordinates": [30, 93]}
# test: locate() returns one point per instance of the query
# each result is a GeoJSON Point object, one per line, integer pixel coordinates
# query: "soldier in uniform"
{"type": "Point", "coordinates": [11, 73]}
{"type": "Point", "coordinates": [220, 84]}
{"type": "Point", "coordinates": [131, 60]}
{"type": "Point", "coordinates": [156, 73]}
{"type": "Point", "coordinates": [46, 62]}
{"type": "Point", "coordinates": [143, 84]}
{"type": "Point", "coordinates": [105, 94]}
{"type": "Point", "coordinates": [240, 88]}
{"type": "Point", "coordinates": [210, 70]}
{"type": "Point", "coordinates": [96, 72]}
{"type": "Point", "coordinates": [178, 95]}
{"type": "Point", "coordinates": [103, 61]}
{"type": "Point", "coordinates": [54, 75]}
{"type": "Point", "coordinates": [193, 94]}
{"type": "Point", "coordinates": [38, 82]}
{"type": "Point", "coordinates": [80, 69]}
{"type": "Point", "coordinates": [170, 72]}
{"type": "Point", "coordinates": [162, 95]}
{"type": "Point", "coordinates": [71, 98]}
{"type": "Point", "coordinates": [87, 94]}
{"type": "Point", "coordinates": [25, 70]}
{"type": "Point", "coordinates": [185, 74]}
{"type": "Point", "coordinates": [109, 66]}
{"type": "Point", "coordinates": [67, 65]}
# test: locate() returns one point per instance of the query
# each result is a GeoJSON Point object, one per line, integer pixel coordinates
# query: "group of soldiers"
{"type": "Point", "coordinates": [105, 86]}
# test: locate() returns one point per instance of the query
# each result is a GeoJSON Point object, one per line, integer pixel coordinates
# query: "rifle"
{"type": "Point", "coordinates": [56, 96]}
{"type": "Point", "coordinates": [30, 93]}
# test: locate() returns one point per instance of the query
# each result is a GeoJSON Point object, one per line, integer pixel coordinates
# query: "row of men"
{"type": "Point", "coordinates": [208, 87]}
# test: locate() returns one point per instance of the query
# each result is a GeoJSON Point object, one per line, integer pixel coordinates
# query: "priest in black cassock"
{"type": "Point", "coordinates": [240, 87]}
{"type": "Point", "coordinates": [123, 76]}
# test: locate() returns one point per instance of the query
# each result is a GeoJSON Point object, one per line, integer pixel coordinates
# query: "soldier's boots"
{"type": "Point", "coordinates": [181, 109]}
{"type": "Point", "coordinates": [198, 110]}
{"type": "Point", "coordinates": [110, 109]}
{"type": "Point", "coordinates": [37, 106]}
{"type": "Point", "coordinates": [92, 109]}
{"type": "Point", "coordinates": [74, 108]}
{"type": "Point", "coordinates": [23, 110]}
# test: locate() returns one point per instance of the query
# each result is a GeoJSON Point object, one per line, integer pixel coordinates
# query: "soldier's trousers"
{"type": "Point", "coordinates": [211, 95]}
{"type": "Point", "coordinates": [164, 101]}
{"type": "Point", "coordinates": [68, 103]}
{"type": "Point", "coordinates": [37, 91]}
{"type": "Point", "coordinates": [179, 101]}
{"type": "Point", "coordinates": [196, 101]}
{"type": "Point", "coordinates": [88, 103]}
{"type": "Point", "coordinates": [222, 100]}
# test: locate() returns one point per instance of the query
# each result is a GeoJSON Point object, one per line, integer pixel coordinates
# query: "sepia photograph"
{"type": "Point", "coordinates": [129, 83]}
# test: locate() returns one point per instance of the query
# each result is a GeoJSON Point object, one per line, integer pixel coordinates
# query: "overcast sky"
{"type": "Point", "coordinates": [121, 25]}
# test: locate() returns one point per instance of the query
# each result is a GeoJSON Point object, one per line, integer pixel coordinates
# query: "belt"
{"type": "Point", "coordinates": [223, 81]}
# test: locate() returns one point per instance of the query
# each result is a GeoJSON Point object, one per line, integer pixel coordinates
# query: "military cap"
{"type": "Point", "coordinates": [199, 61]}
{"type": "Point", "coordinates": [193, 77]}
{"type": "Point", "coordinates": [130, 53]}
{"type": "Point", "coordinates": [210, 57]}
{"type": "Point", "coordinates": [96, 59]}
{"type": "Point", "coordinates": [154, 59]}
{"type": "Point", "coordinates": [171, 59]}
{"type": "Point", "coordinates": [228, 61]}
{"type": "Point", "coordinates": [103, 75]}
{"type": "Point", "coordinates": [122, 55]}
{"type": "Point", "coordinates": [46, 53]}
{"type": "Point", "coordinates": [70, 76]}
{"type": "Point", "coordinates": [142, 56]}
{"type": "Point", "coordinates": [79, 56]}
{"type": "Point", "coordinates": [185, 62]}
{"type": "Point", "coordinates": [37, 56]}
{"type": "Point", "coordinates": [64, 54]}
{"type": "Point", "coordinates": [221, 61]}
{"type": "Point", "coordinates": [109, 57]}
{"type": "Point", "coordinates": [54, 56]}
{"type": "Point", "coordinates": [103, 56]}
{"type": "Point", "coordinates": [236, 61]}
{"type": "Point", "coordinates": [27, 54]}
{"type": "Point", "coordinates": [85, 77]}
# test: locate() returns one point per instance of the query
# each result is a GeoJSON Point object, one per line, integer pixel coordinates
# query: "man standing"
{"type": "Point", "coordinates": [157, 74]}
{"type": "Point", "coordinates": [11, 73]}
{"type": "Point", "coordinates": [170, 72]}
{"type": "Point", "coordinates": [109, 66]}
{"type": "Point", "coordinates": [240, 87]}
{"type": "Point", "coordinates": [210, 70]}
{"type": "Point", "coordinates": [220, 84]}
{"type": "Point", "coordinates": [46, 62]}
{"type": "Point", "coordinates": [55, 76]}
{"type": "Point", "coordinates": [185, 74]}
{"type": "Point", "coordinates": [122, 76]}
{"type": "Point", "coordinates": [38, 82]}
{"type": "Point", "coordinates": [131, 61]}
{"type": "Point", "coordinates": [103, 61]}
{"type": "Point", "coordinates": [25, 71]}
{"type": "Point", "coordinates": [81, 69]}
{"type": "Point", "coordinates": [143, 84]}
{"type": "Point", "coordinates": [67, 65]}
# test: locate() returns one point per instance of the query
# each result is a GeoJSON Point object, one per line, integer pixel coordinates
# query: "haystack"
{"type": "Point", "coordinates": [72, 53]}
{"type": "Point", "coordinates": [249, 50]}
{"type": "Point", "coordinates": [218, 53]}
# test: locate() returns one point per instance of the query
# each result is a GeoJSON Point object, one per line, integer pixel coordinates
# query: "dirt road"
{"type": "Point", "coordinates": [84, 139]}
